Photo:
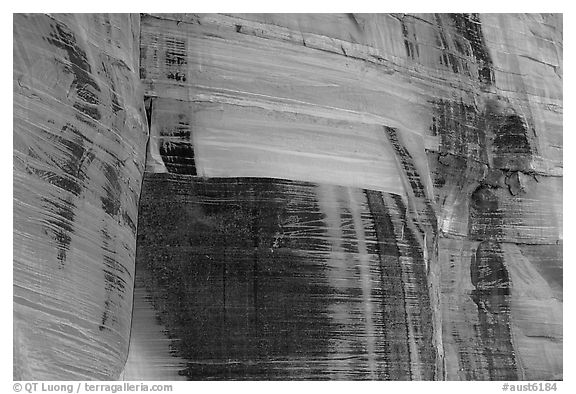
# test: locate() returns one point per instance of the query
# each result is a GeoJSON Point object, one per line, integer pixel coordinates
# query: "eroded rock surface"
{"type": "Point", "coordinates": [326, 196]}
{"type": "Point", "coordinates": [456, 116]}
{"type": "Point", "coordinates": [79, 150]}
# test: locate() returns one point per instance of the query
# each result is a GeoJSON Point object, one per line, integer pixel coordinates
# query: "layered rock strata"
{"type": "Point", "coordinates": [326, 196]}
{"type": "Point", "coordinates": [457, 116]}
{"type": "Point", "coordinates": [79, 150]}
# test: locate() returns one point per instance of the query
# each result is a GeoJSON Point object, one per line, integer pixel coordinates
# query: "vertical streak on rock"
{"type": "Point", "coordinates": [411, 296]}
{"type": "Point", "coordinates": [425, 216]}
{"type": "Point", "coordinates": [491, 280]}
{"type": "Point", "coordinates": [365, 278]}
{"type": "Point", "coordinates": [447, 59]}
{"type": "Point", "coordinates": [328, 205]}
{"type": "Point", "coordinates": [492, 296]}
{"type": "Point", "coordinates": [410, 43]}
{"type": "Point", "coordinates": [416, 291]}
{"type": "Point", "coordinates": [254, 231]}
{"type": "Point", "coordinates": [393, 314]}
{"type": "Point", "coordinates": [470, 28]}
{"type": "Point", "coordinates": [418, 226]}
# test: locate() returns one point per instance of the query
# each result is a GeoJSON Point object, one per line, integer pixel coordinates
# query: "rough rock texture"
{"type": "Point", "coordinates": [270, 279]}
{"type": "Point", "coordinates": [79, 149]}
{"type": "Point", "coordinates": [326, 196]}
{"type": "Point", "coordinates": [456, 117]}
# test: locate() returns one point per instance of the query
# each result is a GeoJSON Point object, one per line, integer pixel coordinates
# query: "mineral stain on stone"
{"type": "Point", "coordinates": [470, 28]}
{"type": "Point", "coordinates": [409, 43]}
{"type": "Point", "coordinates": [266, 278]}
{"type": "Point", "coordinates": [86, 87]}
{"type": "Point", "coordinates": [394, 324]}
{"type": "Point", "coordinates": [72, 270]}
{"type": "Point", "coordinates": [492, 297]}
{"type": "Point", "coordinates": [270, 279]}
{"type": "Point", "coordinates": [73, 163]}
{"type": "Point", "coordinates": [511, 136]}
{"type": "Point", "coordinates": [447, 58]}
{"type": "Point", "coordinates": [114, 284]}
{"type": "Point", "coordinates": [178, 157]}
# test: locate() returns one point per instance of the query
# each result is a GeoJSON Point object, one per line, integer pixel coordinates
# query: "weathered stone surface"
{"type": "Point", "coordinates": [79, 150]}
{"type": "Point", "coordinates": [460, 115]}
{"type": "Point", "coordinates": [271, 279]}
{"type": "Point", "coordinates": [395, 178]}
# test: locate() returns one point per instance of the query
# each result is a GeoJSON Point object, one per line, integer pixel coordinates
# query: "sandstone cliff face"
{"type": "Point", "coordinates": [79, 149]}
{"type": "Point", "coordinates": [325, 197]}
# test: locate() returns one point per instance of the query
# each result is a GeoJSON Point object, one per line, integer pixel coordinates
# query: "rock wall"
{"type": "Point", "coordinates": [326, 196]}
{"type": "Point", "coordinates": [458, 118]}
{"type": "Point", "coordinates": [260, 278]}
{"type": "Point", "coordinates": [79, 150]}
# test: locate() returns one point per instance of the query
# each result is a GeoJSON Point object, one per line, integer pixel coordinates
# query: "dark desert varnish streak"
{"type": "Point", "coordinates": [273, 279]}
